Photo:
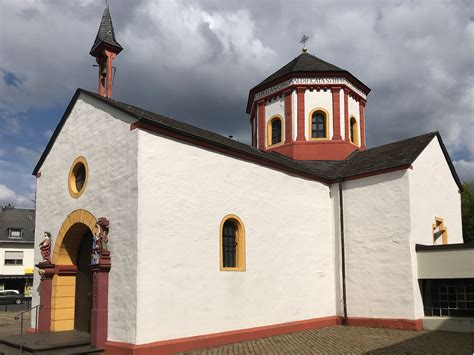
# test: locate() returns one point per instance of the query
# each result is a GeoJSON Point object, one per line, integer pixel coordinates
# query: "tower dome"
{"type": "Point", "coordinates": [309, 110]}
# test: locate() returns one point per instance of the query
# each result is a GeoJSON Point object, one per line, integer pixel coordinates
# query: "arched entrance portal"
{"type": "Point", "coordinates": [74, 292]}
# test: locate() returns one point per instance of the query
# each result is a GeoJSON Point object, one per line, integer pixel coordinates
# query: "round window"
{"type": "Point", "coordinates": [78, 177]}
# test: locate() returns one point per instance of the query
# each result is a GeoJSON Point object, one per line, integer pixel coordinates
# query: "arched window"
{"type": "Point", "coordinates": [274, 131]}
{"type": "Point", "coordinates": [354, 131]}
{"type": "Point", "coordinates": [319, 124]}
{"type": "Point", "coordinates": [232, 241]}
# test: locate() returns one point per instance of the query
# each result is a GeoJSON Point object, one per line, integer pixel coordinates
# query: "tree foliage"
{"type": "Point", "coordinates": [467, 207]}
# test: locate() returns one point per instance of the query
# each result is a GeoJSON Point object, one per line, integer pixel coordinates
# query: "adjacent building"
{"type": "Point", "coordinates": [17, 228]}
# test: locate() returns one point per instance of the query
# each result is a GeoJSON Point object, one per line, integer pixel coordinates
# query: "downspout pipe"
{"type": "Point", "coordinates": [343, 253]}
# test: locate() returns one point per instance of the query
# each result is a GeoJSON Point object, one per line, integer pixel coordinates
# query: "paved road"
{"type": "Point", "coordinates": [15, 307]}
{"type": "Point", "coordinates": [10, 326]}
{"type": "Point", "coordinates": [352, 340]}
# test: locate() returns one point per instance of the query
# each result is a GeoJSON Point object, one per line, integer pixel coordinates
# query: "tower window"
{"type": "Point", "coordinates": [354, 131]}
{"type": "Point", "coordinates": [274, 131]}
{"type": "Point", "coordinates": [319, 125]}
{"type": "Point", "coordinates": [232, 241]}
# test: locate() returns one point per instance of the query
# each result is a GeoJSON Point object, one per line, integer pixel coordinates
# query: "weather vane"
{"type": "Point", "coordinates": [303, 40]}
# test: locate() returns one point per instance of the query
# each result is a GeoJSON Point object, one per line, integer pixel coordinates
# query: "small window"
{"type": "Point", "coordinates": [78, 177]}
{"type": "Point", "coordinates": [274, 131]}
{"type": "Point", "coordinates": [318, 125]}
{"type": "Point", "coordinates": [13, 258]}
{"type": "Point", "coordinates": [232, 241]}
{"type": "Point", "coordinates": [354, 131]}
{"type": "Point", "coordinates": [15, 233]}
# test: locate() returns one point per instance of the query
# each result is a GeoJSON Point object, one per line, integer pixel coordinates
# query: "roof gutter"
{"type": "Point", "coordinates": [343, 252]}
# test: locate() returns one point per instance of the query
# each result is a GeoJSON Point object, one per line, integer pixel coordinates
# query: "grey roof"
{"type": "Point", "coordinates": [371, 161]}
{"type": "Point", "coordinates": [305, 62]}
{"type": "Point", "coordinates": [105, 34]}
{"type": "Point", "coordinates": [17, 218]}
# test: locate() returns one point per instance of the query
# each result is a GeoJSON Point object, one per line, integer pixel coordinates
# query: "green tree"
{"type": "Point", "coordinates": [467, 210]}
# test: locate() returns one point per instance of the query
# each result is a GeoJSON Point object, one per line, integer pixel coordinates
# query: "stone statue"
{"type": "Point", "coordinates": [45, 248]}
{"type": "Point", "coordinates": [100, 240]}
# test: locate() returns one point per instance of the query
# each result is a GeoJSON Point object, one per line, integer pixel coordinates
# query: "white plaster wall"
{"type": "Point", "coordinates": [354, 112]}
{"type": "Point", "coordinates": [28, 259]}
{"type": "Point", "coordinates": [434, 193]}
{"type": "Point", "coordinates": [317, 99]}
{"type": "Point", "coordinates": [341, 105]}
{"type": "Point", "coordinates": [184, 192]}
{"type": "Point", "coordinates": [294, 113]}
{"type": "Point", "coordinates": [102, 135]}
{"type": "Point", "coordinates": [275, 107]}
{"type": "Point", "coordinates": [377, 226]}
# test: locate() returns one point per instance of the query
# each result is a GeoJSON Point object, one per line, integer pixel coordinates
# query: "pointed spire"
{"type": "Point", "coordinates": [105, 35]}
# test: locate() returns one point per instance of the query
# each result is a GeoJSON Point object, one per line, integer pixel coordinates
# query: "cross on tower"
{"type": "Point", "coordinates": [303, 40]}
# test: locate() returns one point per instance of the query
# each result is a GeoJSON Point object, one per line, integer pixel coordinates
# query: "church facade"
{"type": "Point", "coordinates": [166, 237]}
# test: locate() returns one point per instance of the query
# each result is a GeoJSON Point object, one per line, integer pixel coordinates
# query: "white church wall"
{"type": "Point", "coordinates": [317, 99]}
{"type": "Point", "coordinates": [102, 135]}
{"type": "Point", "coordinates": [377, 242]}
{"type": "Point", "coordinates": [341, 110]}
{"type": "Point", "coordinates": [184, 193]}
{"type": "Point", "coordinates": [294, 113]}
{"type": "Point", "coordinates": [433, 193]}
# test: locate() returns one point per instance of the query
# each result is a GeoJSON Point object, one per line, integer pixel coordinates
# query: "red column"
{"type": "Point", "coordinates": [346, 115]}
{"type": "Point", "coordinates": [46, 289]}
{"type": "Point", "coordinates": [300, 114]}
{"type": "Point", "coordinates": [288, 117]}
{"type": "Point", "coordinates": [100, 297]}
{"type": "Point", "coordinates": [336, 113]}
{"type": "Point", "coordinates": [110, 57]}
{"type": "Point", "coordinates": [261, 124]}
{"type": "Point", "coordinates": [362, 124]}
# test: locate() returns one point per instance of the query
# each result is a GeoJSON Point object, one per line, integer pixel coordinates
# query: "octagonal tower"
{"type": "Point", "coordinates": [309, 110]}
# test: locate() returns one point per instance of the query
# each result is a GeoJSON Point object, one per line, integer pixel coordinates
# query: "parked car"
{"type": "Point", "coordinates": [10, 297]}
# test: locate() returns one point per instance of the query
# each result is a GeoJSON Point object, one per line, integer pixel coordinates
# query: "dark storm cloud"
{"type": "Point", "coordinates": [196, 60]}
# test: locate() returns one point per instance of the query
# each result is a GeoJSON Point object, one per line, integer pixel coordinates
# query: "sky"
{"type": "Point", "coordinates": [195, 61]}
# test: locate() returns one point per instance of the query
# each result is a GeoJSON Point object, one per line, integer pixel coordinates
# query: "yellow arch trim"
{"type": "Point", "coordinates": [269, 130]}
{"type": "Point", "coordinates": [60, 254]}
{"type": "Point", "coordinates": [356, 130]}
{"type": "Point", "coordinates": [71, 181]}
{"type": "Point", "coordinates": [240, 252]}
{"type": "Point", "coordinates": [310, 122]}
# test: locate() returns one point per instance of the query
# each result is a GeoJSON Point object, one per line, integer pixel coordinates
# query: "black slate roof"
{"type": "Point", "coordinates": [17, 218]}
{"type": "Point", "coordinates": [105, 34]}
{"type": "Point", "coordinates": [305, 62]}
{"type": "Point", "coordinates": [399, 154]}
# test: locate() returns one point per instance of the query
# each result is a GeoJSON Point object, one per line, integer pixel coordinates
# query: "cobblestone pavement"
{"type": "Point", "coordinates": [352, 340]}
{"type": "Point", "coordinates": [10, 326]}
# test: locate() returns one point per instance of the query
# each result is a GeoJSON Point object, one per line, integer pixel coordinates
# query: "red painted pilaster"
{"type": "Point", "coordinates": [261, 124]}
{"type": "Point", "coordinates": [300, 114]}
{"type": "Point", "coordinates": [110, 57]}
{"type": "Point", "coordinates": [288, 117]}
{"type": "Point", "coordinates": [46, 289]}
{"type": "Point", "coordinates": [362, 124]}
{"type": "Point", "coordinates": [336, 113]}
{"type": "Point", "coordinates": [100, 296]}
{"type": "Point", "coordinates": [346, 115]}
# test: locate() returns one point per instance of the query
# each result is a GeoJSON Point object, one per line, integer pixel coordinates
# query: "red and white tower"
{"type": "Point", "coordinates": [105, 49]}
{"type": "Point", "coordinates": [309, 110]}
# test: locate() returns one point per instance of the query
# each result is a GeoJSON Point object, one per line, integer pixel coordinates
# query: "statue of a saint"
{"type": "Point", "coordinates": [100, 240]}
{"type": "Point", "coordinates": [45, 247]}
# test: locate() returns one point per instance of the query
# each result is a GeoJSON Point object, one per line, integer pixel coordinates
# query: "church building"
{"type": "Point", "coordinates": [158, 236]}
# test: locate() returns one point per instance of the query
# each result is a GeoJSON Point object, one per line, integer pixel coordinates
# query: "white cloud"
{"type": "Point", "coordinates": [8, 196]}
{"type": "Point", "coordinates": [465, 170]}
